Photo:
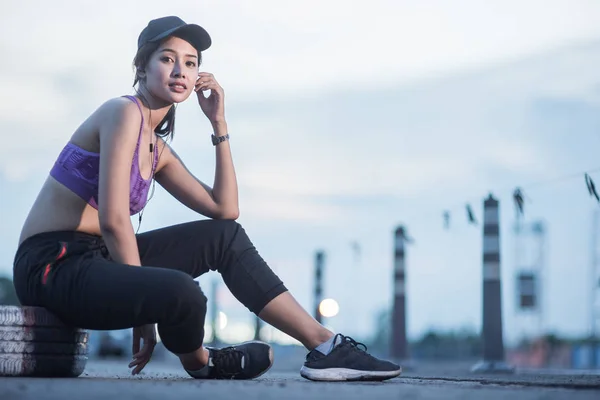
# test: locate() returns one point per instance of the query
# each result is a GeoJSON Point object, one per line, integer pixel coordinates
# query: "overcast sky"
{"type": "Point", "coordinates": [346, 119]}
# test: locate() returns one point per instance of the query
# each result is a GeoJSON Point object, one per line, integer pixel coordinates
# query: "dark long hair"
{"type": "Point", "coordinates": [166, 128]}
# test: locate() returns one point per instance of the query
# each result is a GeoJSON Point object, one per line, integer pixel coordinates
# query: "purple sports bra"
{"type": "Point", "coordinates": [78, 170]}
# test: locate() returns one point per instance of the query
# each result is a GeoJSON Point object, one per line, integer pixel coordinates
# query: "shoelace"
{"type": "Point", "coordinates": [228, 361]}
{"type": "Point", "coordinates": [344, 340]}
{"type": "Point", "coordinates": [351, 342]}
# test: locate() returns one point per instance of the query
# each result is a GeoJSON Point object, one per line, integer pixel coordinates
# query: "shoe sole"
{"type": "Point", "coordinates": [345, 374]}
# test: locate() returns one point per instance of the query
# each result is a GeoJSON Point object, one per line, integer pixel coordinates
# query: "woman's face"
{"type": "Point", "coordinates": [172, 70]}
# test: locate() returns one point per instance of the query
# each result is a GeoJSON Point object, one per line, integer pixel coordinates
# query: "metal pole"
{"type": "Point", "coordinates": [319, 261]}
{"type": "Point", "coordinates": [398, 339]}
{"type": "Point", "coordinates": [493, 344]}
{"type": "Point", "coordinates": [594, 275]}
{"type": "Point", "coordinates": [595, 292]}
{"type": "Point", "coordinates": [257, 326]}
{"type": "Point", "coordinates": [214, 310]}
{"type": "Point", "coordinates": [540, 231]}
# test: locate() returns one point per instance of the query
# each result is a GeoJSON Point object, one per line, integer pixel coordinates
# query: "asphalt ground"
{"type": "Point", "coordinates": [111, 379]}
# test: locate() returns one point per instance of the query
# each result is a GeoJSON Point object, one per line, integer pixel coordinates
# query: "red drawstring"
{"type": "Point", "coordinates": [61, 254]}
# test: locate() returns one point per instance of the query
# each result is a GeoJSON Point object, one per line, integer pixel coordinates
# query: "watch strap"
{"type": "Point", "coordinates": [218, 139]}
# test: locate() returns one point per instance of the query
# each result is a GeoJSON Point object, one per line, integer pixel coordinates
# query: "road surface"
{"type": "Point", "coordinates": [161, 380]}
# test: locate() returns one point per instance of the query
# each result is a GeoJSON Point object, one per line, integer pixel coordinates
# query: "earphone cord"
{"type": "Point", "coordinates": [153, 174]}
{"type": "Point", "coordinates": [151, 191]}
{"type": "Point", "coordinates": [147, 201]}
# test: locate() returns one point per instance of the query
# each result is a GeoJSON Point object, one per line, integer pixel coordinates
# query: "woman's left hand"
{"type": "Point", "coordinates": [213, 105]}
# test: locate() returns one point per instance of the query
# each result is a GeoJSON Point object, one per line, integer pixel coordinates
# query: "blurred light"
{"type": "Point", "coordinates": [222, 320]}
{"type": "Point", "coordinates": [237, 333]}
{"type": "Point", "coordinates": [208, 333]}
{"type": "Point", "coordinates": [329, 308]}
{"type": "Point", "coordinates": [273, 335]}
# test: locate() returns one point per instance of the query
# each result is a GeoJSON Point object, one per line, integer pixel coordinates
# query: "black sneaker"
{"type": "Point", "coordinates": [347, 362]}
{"type": "Point", "coordinates": [248, 360]}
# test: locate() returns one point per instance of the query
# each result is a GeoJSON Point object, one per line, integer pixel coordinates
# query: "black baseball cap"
{"type": "Point", "coordinates": [161, 28]}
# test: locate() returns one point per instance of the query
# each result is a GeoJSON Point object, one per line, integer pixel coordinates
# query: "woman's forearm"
{"type": "Point", "coordinates": [122, 244]}
{"type": "Point", "coordinates": [225, 189]}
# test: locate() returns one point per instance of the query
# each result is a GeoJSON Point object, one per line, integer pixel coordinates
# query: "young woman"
{"type": "Point", "coordinates": [80, 258]}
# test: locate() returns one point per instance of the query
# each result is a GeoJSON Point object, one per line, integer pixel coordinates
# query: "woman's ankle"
{"type": "Point", "coordinates": [320, 337]}
{"type": "Point", "coordinates": [195, 360]}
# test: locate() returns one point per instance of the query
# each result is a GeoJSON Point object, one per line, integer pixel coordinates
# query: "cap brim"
{"type": "Point", "coordinates": [194, 34]}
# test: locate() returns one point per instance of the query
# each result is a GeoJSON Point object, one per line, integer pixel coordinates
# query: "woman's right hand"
{"type": "Point", "coordinates": [147, 333]}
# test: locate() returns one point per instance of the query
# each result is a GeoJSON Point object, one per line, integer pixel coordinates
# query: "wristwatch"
{"type": "Point", "coordinates": [218, 139]}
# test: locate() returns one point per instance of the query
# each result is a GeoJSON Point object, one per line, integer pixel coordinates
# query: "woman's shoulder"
{"type": "Point", "coordinates": [118, 118]}
{"type": "Point", "coordinates": [119, 106]}
{"type": "Point", "coordinates": [117, 111]}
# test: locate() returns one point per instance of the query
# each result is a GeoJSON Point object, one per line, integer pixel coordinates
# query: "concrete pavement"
{"type": "Point", "coordinates": [161, 380]}
{"type": "Point", "coordinates": [460, 372]}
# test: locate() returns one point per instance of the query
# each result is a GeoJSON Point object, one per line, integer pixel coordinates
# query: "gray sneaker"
{"type": "Point", "coordinates": [347, 361]}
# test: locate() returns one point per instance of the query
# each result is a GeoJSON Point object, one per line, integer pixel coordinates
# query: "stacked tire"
{"type": "Point", "coordinates": [35, 343]}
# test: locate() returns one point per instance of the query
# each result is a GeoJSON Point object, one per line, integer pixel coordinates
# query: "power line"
{"type": "Point", "coordinates": [518, 190]}
{"type": "Point", "coordinates": [519, 193]}
{"type": "Point", "coordinates": [562, 178]}
{"type": "Point", "coordinates": [465, 207]}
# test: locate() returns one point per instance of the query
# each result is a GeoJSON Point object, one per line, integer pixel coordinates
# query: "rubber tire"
{"type": "Point", "coordinates": [28, 316]}
{"type": "Point", "coordinates": [40, 348]}
{"type": "Point", "coordinates": [44, 345]}
{"type": "Point", "coordinates": [26, 365]}
{"type": "Point", "coordinates": [34, 334]}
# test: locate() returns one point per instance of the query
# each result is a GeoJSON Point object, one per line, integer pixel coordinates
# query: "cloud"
{"type": "Point", "coordinates": [350, 176]}
{"type": "Point", "coordinates": [456, 132]}
{"type": "Point", "coordinates": [401, 140]}
{"type": "Point", "coordinates": [259, 205]}
{"type": "Point", "coordinates": [68, 63]}
{"type": "Point", "coordinates": [271, 48]}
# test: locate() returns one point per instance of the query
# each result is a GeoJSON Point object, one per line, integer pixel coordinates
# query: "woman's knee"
{"type": "Point", "coordinates": [181, 291]}
{"type": "Point", "coordinates": [182, 329]}
{"type": "Point", "coordinates": [231, 238]}
{"type": "Point", "coordinates": [226, 227]}
{"type": "Point", "coordinates": [223, 233]}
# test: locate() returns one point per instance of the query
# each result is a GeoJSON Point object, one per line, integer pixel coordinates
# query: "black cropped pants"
{"type": "Point", "coordinates": [71, 274]}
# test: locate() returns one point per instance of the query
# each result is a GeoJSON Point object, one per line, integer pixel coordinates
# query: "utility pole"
{"type": "Point", "coordinates": [595, 288]}
{"type": "Point", "coordinates": [493, 343]}
{"type": "Point", "coordinates": [214, 311]}
{"type": "Point", "coordinates": [257, 326]}
{"type": "Point", "coordinates": [318, 289]}
{"type": "Point", "coordinates": [595, 277]}
{"type": "Point", "coordinates": [399, 345]}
